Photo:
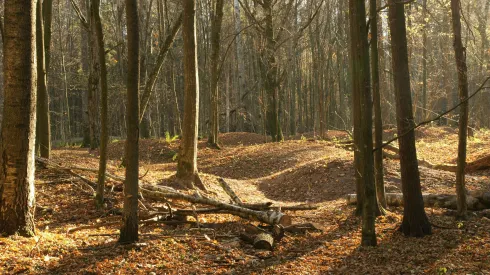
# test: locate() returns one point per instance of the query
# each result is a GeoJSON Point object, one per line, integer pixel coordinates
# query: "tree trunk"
{"type": "Point", "coordinates": [43, 131]}
{"type": "Point", "coordinates": [187, 164]}
{"type": "Point", "coordinates": [415, 222]}
{"type": "Point", "coordinates": [129, 229]}
{"type": "Point", "coordinates": [271, 75]}
{"type": "Point", "coordinates": [460, 54]}
{"type": "Point", "coordinates": [424, 60]}
{"type": "Point", "coordinates": [104, 135]}
{"type": "Point", "coordinates": [17, 144]}
{"type": "Point", "coordinates": [84, 51]}
{"type": "Point", "coordinates": [215, 49]}
{"type": "Point", "coordinates": [94, 81]}
{"type": "Point", "coordinates": [378, 123]}
{"type": "Point", "coordinates": [362, 116]}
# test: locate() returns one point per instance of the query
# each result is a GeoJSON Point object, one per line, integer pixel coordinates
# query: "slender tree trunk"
{"type": "Point", "coordinates": [104, 135]}
{"type": "Point", "coordinates": [129, 229]}
{"type": "Point", "coordinates": [415, 222]}
{"type": "Point", "coordinates": [460, 54]}
{"type": "Point", "coordinates": [362, 115]}
{"type": "Point", "coordinates": [378, 123]}
{"type": "Point", "coordinates": [94, 81]}
{"type": "Point", "coordinates": [17, 140]}
{"type": "Point", "coordinates": [424, 60]}
{"type": "Point", "coordinates": [43, 131]}
{"type": "Point", "coordinates": [84, 50]}
{"type": "Point", "coordinates": [187, 165]}
{"type": "Point", "coordinates": [215, 49]}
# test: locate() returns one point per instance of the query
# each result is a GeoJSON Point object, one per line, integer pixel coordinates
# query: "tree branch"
{"type": "Point", "coordinates": [482, 86]}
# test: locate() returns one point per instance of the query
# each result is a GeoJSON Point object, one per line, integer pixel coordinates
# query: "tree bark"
{"type": "Point", "coordinates": [187, 165]}
{"type": "Point", "coordinates": [460, 55]}
{"type": "Point", "coordinates": [363, 139]}
{"type": "Point", "coordinates": [17, 144]}
{"type": "Point", "coordinates": [129, 229]}
{"type": "Point", "coordinates": [415, 222]}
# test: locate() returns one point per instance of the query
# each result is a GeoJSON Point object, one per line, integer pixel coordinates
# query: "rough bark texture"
{"type": "Point", "coordinates": [17, 201]}
{"type": "Point", "coordinates": [104, 135]}
{"type": "Point", "coordinates": [415, 222]}
{"type": "Point", "coordinates": [43, 129]}
{"type": "Point", "coordinates": [378, 123]}
{"type": "Point", "coordinates": [215, 49]}
{"type": "Point", "coordinates": [187, 164]}
{"type": "Point", "coordinates": [129, 229]}
{"type": "Point", "coordinates": [460, 54]}
{"type": "Point", "coordinates": [361, 94]}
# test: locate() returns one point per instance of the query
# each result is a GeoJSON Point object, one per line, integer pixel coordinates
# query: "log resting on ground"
{"type": "Point", "coordinates": [164, 193]}
{"type": "Point", "coordinates": [477, 200]}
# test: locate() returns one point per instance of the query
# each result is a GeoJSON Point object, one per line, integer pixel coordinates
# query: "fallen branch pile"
{"type": "Point", "coordinates": [477, 200]}
{"type": "Point", "coordinates": [265, 213]}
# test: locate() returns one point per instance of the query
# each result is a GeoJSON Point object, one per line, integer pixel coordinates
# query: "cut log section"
{"type": "Point", "coordinates": [264, 241]}
{"type": "Point", "coordinates": [476, 200]}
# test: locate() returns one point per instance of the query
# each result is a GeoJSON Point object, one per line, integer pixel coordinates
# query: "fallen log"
{"type": "Point", "coordinates": [268, 217]}
{"type": "Point", "coordinates": [476, 200]}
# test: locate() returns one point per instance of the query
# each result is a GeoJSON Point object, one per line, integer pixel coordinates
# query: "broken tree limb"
{"type": "Point", "coordinates": [476, 200]}
{"type": "Point", "coordinates": [268, 217]}
{"type": "Point", "coordinates": [229, 191]}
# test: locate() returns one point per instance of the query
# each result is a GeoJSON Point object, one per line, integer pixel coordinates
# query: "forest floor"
{"type": "Point", "coordinates": [295, 171]}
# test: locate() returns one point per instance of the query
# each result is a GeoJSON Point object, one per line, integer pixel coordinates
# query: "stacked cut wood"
{"type": "Point", "coordinates": [477, 200]}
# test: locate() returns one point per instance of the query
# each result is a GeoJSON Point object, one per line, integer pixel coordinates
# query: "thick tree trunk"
{"type": "Point", "coordinates": [104, 135]}
{"type": "Point", "coordinates": [215, 49]}
{"type": "Point", "coordinates": [460, 54]}
{"type": "Point", "coordinates": [129, 229]}
{"type": "Point", "coordinates": [43, 129]}
{"type": "Point", "coordinates": [363, 139]}
{"type": "Point", "coordinates": [415, 222]}
{"type": "Point", "coordinates": [187, 165]}
{"type": "Point", "coordinates": [17, 140]}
